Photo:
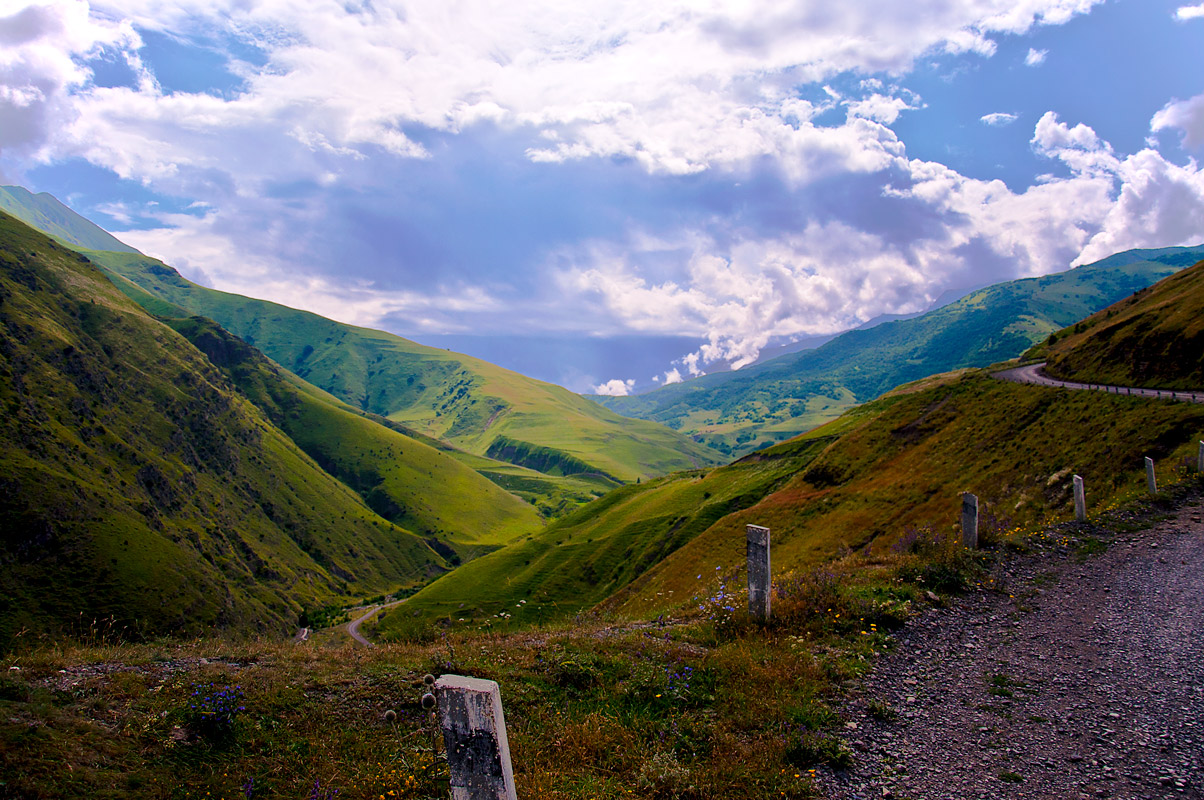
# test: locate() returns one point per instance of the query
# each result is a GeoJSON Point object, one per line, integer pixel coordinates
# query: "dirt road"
{"type": "Point", "coordinates": [1087, 682]}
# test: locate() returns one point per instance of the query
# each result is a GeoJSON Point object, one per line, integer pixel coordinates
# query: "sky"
{"type": "Point", "coordinates": [606, 194]}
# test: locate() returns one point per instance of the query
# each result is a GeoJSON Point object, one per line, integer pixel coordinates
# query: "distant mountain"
{"type": "Point", "coordinates": [44, 212]}
{"type": "Point", "coordinates": [471, 404]}
{"type": "Point", "coordinates": [739, 411]}
{"type": "Point", "coordinates": [138, 483]}
{"type": "Point", "coordinates": [1154, 338]}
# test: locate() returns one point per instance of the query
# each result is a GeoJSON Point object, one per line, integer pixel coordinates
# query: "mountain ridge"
{"type": "Point", "coordinates": [741, 411]}
{"type": "Point", "coordinates": [140, 485]}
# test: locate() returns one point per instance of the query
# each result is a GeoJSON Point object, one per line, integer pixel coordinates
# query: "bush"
{"type": "Point", "coordinates": [937, 560]}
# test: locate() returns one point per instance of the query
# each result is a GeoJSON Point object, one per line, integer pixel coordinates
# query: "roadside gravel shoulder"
{"type": "Point", "coordinates": [1083, 678]}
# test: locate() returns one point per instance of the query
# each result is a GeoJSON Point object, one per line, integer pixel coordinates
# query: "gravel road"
{"type": "Point", "coordinates": [1088, 682]}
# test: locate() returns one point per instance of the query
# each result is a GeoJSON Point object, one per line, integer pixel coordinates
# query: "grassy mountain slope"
{"type": "Point", "coordinates": [136, 482]}
{"type": "Point", "coordinates": [882, 471]}
{"type": "Point", "coordinates": [1154, 338]}
{"type": "Point", "coordinates": [408, 482]}
{"type": "Point", "coordinates": [739, 411]}
{"type": "Point", "coordinates": [47, 214]}
{"type": "Point", "coordinates": [580, 560]}
{"type": "Point", "coordinates": [462, 400]}
{"type": "Point", "coordinates": [902, 462]}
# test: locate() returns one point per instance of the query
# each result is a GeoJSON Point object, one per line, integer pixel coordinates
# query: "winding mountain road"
{"type": "Point", "coordinates": [1035, 374]}
{"type": "Point", "coordinates": [353, 627]}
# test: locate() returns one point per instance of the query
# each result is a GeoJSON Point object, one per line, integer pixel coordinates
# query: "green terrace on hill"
{"type": "Point", "coordinates": [881, 472]}
{"type": "Point", "coordinates": [139, 484]}
{"type": "Point", "coordinates": [1152, 339]}
{"type": "Point", "coordinates": [741, 411]}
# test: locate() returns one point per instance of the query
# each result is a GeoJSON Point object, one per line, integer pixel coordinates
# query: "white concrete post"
{"type": "Point", "coordinates": [1150, 480]}
{"type": "Point", "coordinates": [474, 738]}
{"type": "Point", "coordinates": [1200, 459]}
{"type": "Point", "coordinates": [1080, 500]}
{"type": "Point", "coordinates": [969, 520]}
{"type": "Point", "coordinates": [759, 575]}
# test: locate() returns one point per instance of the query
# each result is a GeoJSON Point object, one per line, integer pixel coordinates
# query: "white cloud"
{"type": "Point", "coordinates": [1159, 204]}
{"type": "Point", "coordinates": [677, 87]}
{"type": "Point", "coordinates": [1035, 57]}
{"type": "Point", "coordinates": [40, 45]}
{"type": "Point", "coordinates": [200, 251]}
{"type": "Point", "coordinates": [1184, 13]}
{"type": "Point", "coordinates": [1186, 115]}
{"type": "Point", "coordinates": [739, 295]}
{"type": "Point", "coordinates": [999, 119]}
{"type": "Point", "coordinates": [672, 376]}
{"type": "Point", "coordinates": [615, 387]}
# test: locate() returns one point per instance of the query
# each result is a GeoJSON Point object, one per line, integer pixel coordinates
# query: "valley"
{"type": "Point", "coordinates": [203, 502]}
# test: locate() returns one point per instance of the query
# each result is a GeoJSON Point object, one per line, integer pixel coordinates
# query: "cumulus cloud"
{"type": "Point", "coordinates": [676, 88]}
{"type": "Point", "coordinates": [1186, 115]}
{"type": "Point", "coordinates": [615, 387]}
{"type": "Point", "coordinates": [41, 47]}
{"type": "Point", "coordinates": [1184, 13]}
{"type": "Point", "coordinates": [1035, 57]}
{"type": "Point", "coordinates": [738, 294]}
{"type": "Point", "coordinates": [999, 119]}
{"type": "Point", "coordinates": [670, 89]}
{"type": "Point", "coordinates": [202, 252]}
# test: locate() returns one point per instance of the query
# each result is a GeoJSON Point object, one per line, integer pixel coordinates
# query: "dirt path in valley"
{"type": "Point", "coordinates": [1088, 682]}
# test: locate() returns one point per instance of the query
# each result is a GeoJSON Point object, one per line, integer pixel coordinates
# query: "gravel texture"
{"type": "Point", "coordinates": [1083, 678]}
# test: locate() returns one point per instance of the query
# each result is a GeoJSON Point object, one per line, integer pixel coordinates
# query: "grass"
{"type": "Point", "coordinates": [897, 466]}
{"type": "Point", "coordinates": [140, 485]}
{"type": "Point", "coordinates": [411, 483]}
{"type": "Point", "coordinates": [884, 473]}
{"type": "Point", "coordinates": [586, 557]}
{"type": "Point", "coordinates": [708, 706]}
{"type": "Point", "coordinates": [691, 709]}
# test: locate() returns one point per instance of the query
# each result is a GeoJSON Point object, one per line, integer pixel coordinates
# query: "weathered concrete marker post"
{"type": "Point", "coordinates": [1150, 480]}
{"type": "Point", "coordinates": [1200, 459]}
{"type": "Point", "coordinates": [474, 738]}
{"type": "Point", "coordinates": [970, 520]}
{"type": "Point", "coordinates": [759, 575]}
{"type": "Point", "coordinates": [1080, 500]}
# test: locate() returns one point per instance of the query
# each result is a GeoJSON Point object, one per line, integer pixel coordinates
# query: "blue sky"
{"type": "Point", "coordinates": [612, 195]}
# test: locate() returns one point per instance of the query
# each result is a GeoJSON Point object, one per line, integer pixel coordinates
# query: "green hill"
{"type": "Point", "coordinates": [1154, 338]}
{"type": "Point", "coordinates": [582, 559]}
{"type": "Point", "coordinates": [474, 406]}
{"type": "Point", "coordinates": [890, 470]}
{"type": "Point", "coordinates": [408, 482]}
{"type": "Point", "coordinates": [44, 212]}
{"type": "Point", "coordinates": [464, 401]}
{"type": "Point", "coordinates": [139, 484]}
{"type": "Point", "coordinates": [740, 411]}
